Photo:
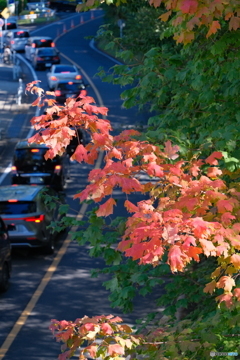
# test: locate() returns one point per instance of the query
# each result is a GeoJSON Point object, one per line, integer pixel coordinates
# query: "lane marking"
{"type": "Point", "coordinates": [52, 268]}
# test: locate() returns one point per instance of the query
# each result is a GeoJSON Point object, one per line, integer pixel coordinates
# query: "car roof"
{"type": "Point", "coordinates": [40, 37]}
{"type": "Point", "coordinates": [62, 65]}
{"type": "Point", "coordinates": [23, 144]}
{"type": "Point", "coordinates": [17, 30]}
{"type": "Point", "coordinates": [19, 192]}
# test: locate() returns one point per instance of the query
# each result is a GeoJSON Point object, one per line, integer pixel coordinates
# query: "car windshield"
{"type": "Point", "coordinates": [31, 156]}
{"type": "Point", "coordinates": [43, 43]}
{"type": "Point", "coordinates": [64, 69]}
{"type": "Point", "coordinates": [70, 86]}
{"type": "Point", "coordinates": [49, 51]}
{"type": "Point", "coordinates": [21, 34]}
{"type": "Point", "coordinates": [18, 207]}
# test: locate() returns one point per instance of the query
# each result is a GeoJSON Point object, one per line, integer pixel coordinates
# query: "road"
{"type": "Point", "coordinates": [71, 292]}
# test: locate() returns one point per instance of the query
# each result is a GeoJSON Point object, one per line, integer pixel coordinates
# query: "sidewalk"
{"type": "Point", "coordinates": [14, 118]}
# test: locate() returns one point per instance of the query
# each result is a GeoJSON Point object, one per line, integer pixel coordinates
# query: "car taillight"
{"type": "Point", "coordinates": [78, 77]}
{"type": "Point", "coordinates": [33, 45]}
{"type": "Point", "coordinates": [36, 219]}
{"type": "Point", "coordinates": [55, 58]}
{"type": "Point", "coordinates": [53, 78]}
{"type": "Point", "coordinates": [39, 58]}
{"type": "Point", "coordinates": [14, 169]}
{"type": "Point", "coordinates": [57, 92]}
{"type": "Point", "coordinates": [52, 44]}
{"type": "Point", "coordinates": [12, 42]}
{"type": "Point", "coordinates": [57, 169]}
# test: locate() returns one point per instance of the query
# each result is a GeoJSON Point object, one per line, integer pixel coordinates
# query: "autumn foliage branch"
{"type": "Point", "coordinates": [190, 209]}
{"type": "Point", "coordinates": [188, 16]}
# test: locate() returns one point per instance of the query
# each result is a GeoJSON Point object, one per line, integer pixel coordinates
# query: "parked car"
{"type": "Point", "coordinates": [65, 89]}
{"type": "Point", "coordinates": [45, 57]}
{"type": "Point", "coordinates": [35, 42]}
{"type": "Point", "coordinates": [23, 209]}
{"type": "Point", "coordinates": [62, 72]}
{"type": "Point", "coordinates": [16, 39]}
{"type": "Point", "coordinates": [5, 257]}
{"type": "Point", "coordinates": [30, 167]}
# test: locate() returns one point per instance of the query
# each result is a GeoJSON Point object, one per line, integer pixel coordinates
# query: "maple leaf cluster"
{"type": "Point", "coordinates": [106, 336]}
{"type": "Point", "coordinates": [190, 210]}
{"type": "Point", "coordinates": [187, 15]}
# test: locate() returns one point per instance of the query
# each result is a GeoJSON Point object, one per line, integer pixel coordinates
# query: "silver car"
{"type": "Point", "coordinates": [16, 39]}
{"type": "Point", "coordinates": [62, 72]}
{"type": "Point", "coordinates": [24, 211]}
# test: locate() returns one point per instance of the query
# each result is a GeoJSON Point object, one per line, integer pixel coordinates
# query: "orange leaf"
{"type": "Point", "coordinates": [115, 349]}
{"type": "Point", "coordinates": [213, 28]}
{"type": "Point", "coordinates": [106, 208]}
{"type": "Point", "coordinates": [130, 206]}
{"type": "Point", "coordinates": [236, 293]}
{"type": "Point", "coordinates": [80, 154]}
{"type": "Point", "coordinates": [171, 151]}
{"type": "Point", "coordinates": [234, 23]}
{"type": "Point", "coordinates": [91, 350]}
{"type": "Point", "coordinates": [226, 283]}
{"type": "Point", "coordinates": [235, 260]}
{"type": "Point", "coordinates": [208, 247]}
{"type": "Point", "coordinates": [212, 158]}
{"type": "Point", "coordinates": [213, 172]}
{"type": "Point", "coordinates": [227, 298]}
{"type": "Point", "coordinates": [165, 16]}
{"type": "Point", "coordinates": [210, 287]}
{"type": "Point", "coordinates": [106, 329]}
{"type": "Point", "coordinates": [176, 259]}
{"type": "Point", "coordinates": [155, 3]}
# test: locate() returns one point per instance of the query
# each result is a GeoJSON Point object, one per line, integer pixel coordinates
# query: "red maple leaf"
{"type": "Point", "coordinates": [115, 349]}
{"type": "Point", "coordinates": [212, 158]}
{"type": "Point", "coordinates": [171, 151]}
{"type": "Point", "coordinates": [80, 154]}
{"type": "Point", "coordinates": [106, 208]}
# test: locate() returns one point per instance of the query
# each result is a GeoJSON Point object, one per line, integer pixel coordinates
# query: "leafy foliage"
{"type": "Point", "coordinates": [190, 211]}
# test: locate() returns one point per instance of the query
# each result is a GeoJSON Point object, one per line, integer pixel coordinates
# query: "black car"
{"type": "Point", "coordinates": [45, 58]}
{"type": "Point", "coordinates": [65, 89]}
{"type": "Point", "coordinates": [5, 257]}
{"type": "Point", "coordinates": [30, 167]}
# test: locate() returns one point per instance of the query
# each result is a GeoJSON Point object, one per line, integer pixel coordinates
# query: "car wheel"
{"type": "Point", "coordinates": [4, 281]}
{"type": "Point", "coordinates": [50, 247]}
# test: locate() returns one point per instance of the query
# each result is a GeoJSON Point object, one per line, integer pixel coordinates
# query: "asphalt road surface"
{"type": "Point", "coordinates": [39, 291]}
